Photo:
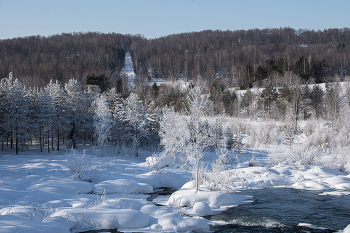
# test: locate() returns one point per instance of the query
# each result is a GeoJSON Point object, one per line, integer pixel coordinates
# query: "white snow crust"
{"type": "Point", "coordinates": [38, 193]}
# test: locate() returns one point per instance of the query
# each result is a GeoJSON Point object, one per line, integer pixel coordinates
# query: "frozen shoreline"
{"type": "Point", "coordinates": [38, 193]}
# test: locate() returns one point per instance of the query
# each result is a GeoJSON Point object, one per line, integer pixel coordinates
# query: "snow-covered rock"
{"type": "Point", "coordinates": [174, 222]}
{"type": "Point", "coordinates": [347, 229]}
{"type": "Point", "coordinates": [201, 209]}
{"type": "Point", "coordinates": [188, 197]}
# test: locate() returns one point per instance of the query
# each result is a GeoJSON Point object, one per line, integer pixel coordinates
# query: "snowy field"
{"type": "Point", "coordinates": [74, 191]}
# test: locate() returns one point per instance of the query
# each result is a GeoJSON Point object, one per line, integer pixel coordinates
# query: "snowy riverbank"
{"type": "Point", "coordinates": [39, 193]}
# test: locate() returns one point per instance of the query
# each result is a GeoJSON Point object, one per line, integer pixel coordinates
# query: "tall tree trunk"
{"type": "Point", "coordinates": [11, 140]}
{"type": "Point", "coordinates": [58, 139]}
{"type": "Point", "coordinates": [48, 142]}
{"type": "Point", "coordinates": [40, 141]}
{"type": "Point", "coordinates": [16, 144]}
{"type": "Point", "coordinates": [52, 143]}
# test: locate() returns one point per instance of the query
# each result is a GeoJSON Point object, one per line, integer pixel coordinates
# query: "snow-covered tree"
{"type": "Point", "coordinates": [289, 136]}
{"type": "Point", "coordinates": [17, 112]}
{"type": "Point", "coordinates": [135, 116]}
{"type": "Point", "coordinates": [217, 134]}
{"type": "Point", "coordinates": [45, 119]}
{"type": "Point", "coordinates": [102, 121]}
{"type": "Point", "coordinates": [74, 107]}
{"type": "Point", "coordinates": [59, 118]}
{"type": "Point", "coordinates": [199, 107]}
{"type": "Point", "coordinates": [174, 132]}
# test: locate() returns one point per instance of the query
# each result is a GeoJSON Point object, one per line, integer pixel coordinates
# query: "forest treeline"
{"type": "Point", "coordinates": [241, 58]}
{"type": "Point", "coordinates": [279, 60]}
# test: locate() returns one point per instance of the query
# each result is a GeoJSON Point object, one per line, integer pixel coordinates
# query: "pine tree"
{"type": "Point", "coordinates": [74, 105]}
{"type": "Point", "coordinates": [17, 114]}
{"type": "Point", "coordinates": [60, 121]}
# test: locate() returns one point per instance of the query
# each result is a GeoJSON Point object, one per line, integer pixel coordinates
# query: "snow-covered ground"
{"type": "Point", "coordinates": [128, 69]}
{"type": "Point", "coordinates": [40, 193]}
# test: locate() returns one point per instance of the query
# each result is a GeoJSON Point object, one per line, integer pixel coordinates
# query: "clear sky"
{"type": "Point", "coordinates": [156, 18]}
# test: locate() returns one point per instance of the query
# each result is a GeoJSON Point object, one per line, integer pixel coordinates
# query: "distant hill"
{"type": "Point", "coordinates": [243, 58]}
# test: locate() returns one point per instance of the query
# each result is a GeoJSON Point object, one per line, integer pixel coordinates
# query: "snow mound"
{"type": "Point", "coordinates": [188, 197]}
{"type": "Point", "coordinates": [210, 200]}
{"type": "Point", "coordinates": [148, 209]}
{"type": "Point", "coordinates": [63, 186]}
{"type": "Point", "coordinates": [103, 218]}
{"type": "Point", "coordinates": [156, 211]}
{"type": "Point", "coordinates": [163, 179]}
{"type": "Point", "coordinates": [26, 212]}
{"type": "Point", "coordinates": [124, 203]}
{"type": "Point", "coordinates": [122, 186]}
{"type": "Point", "coordinates": [347, 229]}
{"type": "Point", "coordinates": [68, 221]}
{"type": "Point", "coordinates": [161, 211]}
{"type": "Point", "coordinates": [201, 209]}
{"type": "Point", "coordinates": [14, 224]}
{"type": "Point", "coordinates": [174, 222]}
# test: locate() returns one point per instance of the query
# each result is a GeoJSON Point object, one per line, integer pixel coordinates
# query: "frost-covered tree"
{"type": "Point", "coordinates": [217, 134]}
{"type": "Point", "coordinates": [74, 108]}
{"type": "Point", "coordinates": [199, 107]}
{"type": "Point", "coordinates": [45, 119]}
{"type": "Point", "coordinates": [102, 121]}
{"type": "Point", "coordinates": [135, 116]}
{"type": "Point", "coordinates": [59, 118]}
{"type": "Point", "coordinates": [17, 112]}
{"type": "Point", "coordinates": [174, 132]}
{"type": "Point", "coordinates": [289, 136]}
{"type": "Point", "coordinates": [238, 144]}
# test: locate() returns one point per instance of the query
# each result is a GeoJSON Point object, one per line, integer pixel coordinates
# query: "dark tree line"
{"type": "Point", "coordinates": [36, 60]}
{"type": "Point", "coordinates": [243, 58]}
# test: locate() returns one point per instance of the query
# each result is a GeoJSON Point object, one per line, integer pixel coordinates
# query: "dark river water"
{"type": "Point", "coordinates": [281, 210]}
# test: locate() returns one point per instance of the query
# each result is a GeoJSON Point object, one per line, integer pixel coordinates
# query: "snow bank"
{"type": "Point", "coordinates": [122, 186]}
{"type": "Point", "coordinates": [204, 201]}
{"type": "Point", "coordinates": [163, 179]}
{"type": "Point", "coordinates": [103, 218]}
{"type": "Point", "coordinates": [14, 224]}
{"type": "Point", "coordinates": [174, 222]}
{"type": "Point", "coordinates": [303, 177]}
{"type": "Point", "coordinates": [64, 186]}
{"type": "Point", "coordinates": [27, 212]}
{"type": "Point", "coordinates": [347, 229]}
{"type": "Point", "coordinates": [188, 197]}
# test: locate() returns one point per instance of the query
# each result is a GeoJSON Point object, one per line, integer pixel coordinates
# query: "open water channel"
{"type": "Point", "coordinates": [281, 210]}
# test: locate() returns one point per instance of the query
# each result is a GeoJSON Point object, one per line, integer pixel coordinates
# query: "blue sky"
{"type": "Point", "coordinates": [156, 18]}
